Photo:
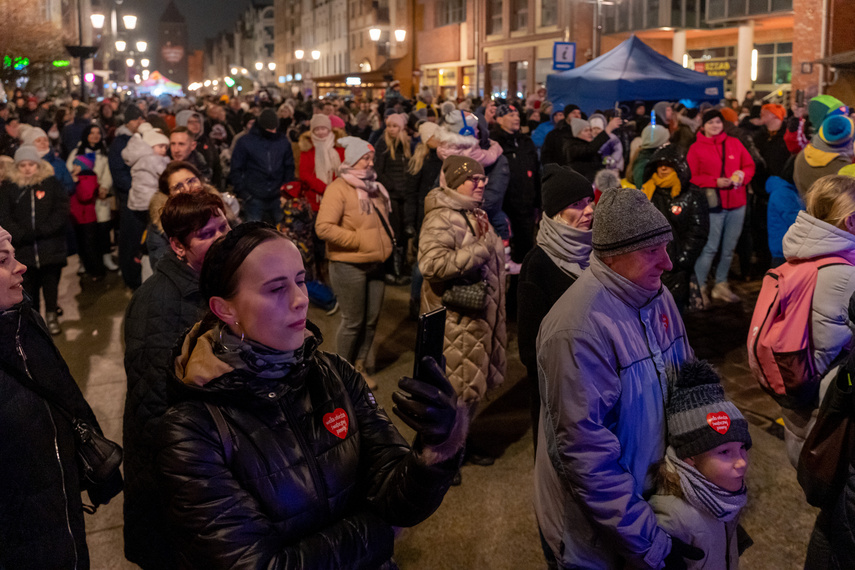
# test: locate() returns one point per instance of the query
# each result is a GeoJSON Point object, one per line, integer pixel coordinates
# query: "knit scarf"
{"type": "Point", "coordinates": [819, 153]}
{"type": "Point", "coordinates": [327, 160]}
{"type": "Point", "coordinates": [367, 187]}
{"type": "Point", "coordinates": [569, 248]}
{"type": "Point", "coordinates": [671, 181]}
{"type": "Point", "coordinates": [705, 495]}
{"type": "Point", "coordinates": [255, 358]}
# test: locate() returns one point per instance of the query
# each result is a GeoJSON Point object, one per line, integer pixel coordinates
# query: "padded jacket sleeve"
{"type": "Point", "coordinates": [440, 256]}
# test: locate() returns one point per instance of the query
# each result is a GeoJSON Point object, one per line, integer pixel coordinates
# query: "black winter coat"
{"type": "Point", "coordinates": [775, 155]}
{"type": "Point", "coordinates": [689, 217]}
{"type": "Point", "coordinates": [392, 174]}
{"type": "Point", "coordinates": [523, 194]}
{"type": "Point", "coordinates": [295, 494]}
{"type": "Point", "coordinates": [160, 311]}
{"type": "Point", "coordinates": [541, 284]}
{"type": "Point", "coordinates": [261, 163]}
{"type": "Point", "coordinates": [423, 182]}
{"type": "Point", "coordinates": [583, 156]}
{"type": "Point", "coordinates": [37, 217]}
{"type": "Point", "coordinates": [552, 151]}
{"type": "Point", "coordinates": [41, 511]}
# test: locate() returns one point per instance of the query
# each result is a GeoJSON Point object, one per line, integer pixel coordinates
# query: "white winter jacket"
{"type": "Point", "coordinates": [146, 167]}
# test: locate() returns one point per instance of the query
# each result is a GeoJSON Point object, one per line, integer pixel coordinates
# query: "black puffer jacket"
{"type": "Point", "coordinates": [423, 182]}
{"type": "Point", "coordinates": [36, 214]}
{"type": "Point", "coordinates": [583, 156]}
{"type": "Point", "coordinates": [318, 473]}
{"type": "Point", "coordinates": [160, 311]}
{"type": "Point", "coordinates": [41, 512]}
{"type": "Point", "coordinates": [689, 217]}
{"type": "Point", "coordinates": [523, 194]}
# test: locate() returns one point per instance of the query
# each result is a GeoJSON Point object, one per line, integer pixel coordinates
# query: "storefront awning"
{"type": "Point", "coordinates": [843, 59]}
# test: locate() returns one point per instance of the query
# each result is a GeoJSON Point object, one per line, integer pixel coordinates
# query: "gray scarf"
{"type": "Point", "coordinates": [705, 495]}
{"type": "Point", "coordinates": [260, 360]}
{"type": "Point", "coordinates": [569, 248]}
{"type": "Point", "coordinates": [846, 151]}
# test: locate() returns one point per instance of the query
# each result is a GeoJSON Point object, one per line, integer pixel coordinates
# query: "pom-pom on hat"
{"type": "Point", "coordinates": [562, 186]}
{"type": "Point", "coordinates": [626, 221]}
{"type": "Point", "coordinates": [699, 417]}
{"type": "Point", "coordinates": [836, 131]}
{"type": "Point", "coordinates": [458, 122]}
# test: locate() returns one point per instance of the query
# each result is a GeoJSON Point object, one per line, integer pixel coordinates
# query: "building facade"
{"type": "Point", "coordinates": [172, 48]}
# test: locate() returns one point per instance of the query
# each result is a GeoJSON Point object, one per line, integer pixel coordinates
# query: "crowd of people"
{"type": "Point", "coordinates": [596, 233]}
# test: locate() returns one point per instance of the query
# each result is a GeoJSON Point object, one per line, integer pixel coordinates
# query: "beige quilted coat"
{"type": "Point", "coordinates": [474, 342]}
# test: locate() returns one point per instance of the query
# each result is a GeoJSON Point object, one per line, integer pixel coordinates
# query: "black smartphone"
{"type": "Point", "coordinates": [430, 338]}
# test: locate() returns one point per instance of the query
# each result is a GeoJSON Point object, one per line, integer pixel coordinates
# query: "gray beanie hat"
{"type": "Point", "coordinates": [699, 418]}
{"type": "Point", "coordinates": [27, 152]}
{"type": "Point", "coordinates": [626, 221]}
{"type": "Point", "coordinates": [654, 136]}
{"type": "Point", "coordinates": [354, 149]}
{"type": "Point", "coordinates": [578, 125]}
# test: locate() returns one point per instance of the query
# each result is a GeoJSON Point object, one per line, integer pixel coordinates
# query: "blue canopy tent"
{"type": "Point", "coordinates": [631, 71]}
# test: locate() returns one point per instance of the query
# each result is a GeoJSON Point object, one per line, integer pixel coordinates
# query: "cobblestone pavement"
{"type": "Point", "coordinates": [487, 522]}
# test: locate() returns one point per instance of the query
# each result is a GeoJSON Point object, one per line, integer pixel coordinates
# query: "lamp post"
{"type": "Point", "coordinates": [81, 51]}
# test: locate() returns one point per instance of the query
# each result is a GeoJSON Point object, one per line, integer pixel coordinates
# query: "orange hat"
{"type": "Point", "coordinates": [775, 109]}
{"type": "Point", "coordinates": [729, 115]}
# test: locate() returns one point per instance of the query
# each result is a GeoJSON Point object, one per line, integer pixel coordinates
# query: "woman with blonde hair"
{"type": "Point", "coordinates": [826, 229]}
{"type": "Point", "coordinates": [392, 159]}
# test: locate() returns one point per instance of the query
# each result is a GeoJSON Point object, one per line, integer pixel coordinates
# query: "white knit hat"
{"type": "Point", "coordinates": [427, 130]}
{"type": "Point", "coordinates": [154, 137]}
{"type": "Point", "coordinates": [30, 135]}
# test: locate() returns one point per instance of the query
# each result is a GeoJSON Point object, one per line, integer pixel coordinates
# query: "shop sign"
{"type": "Point", "coordinates": [564, 56]}
{"type": "Point", "coordinates": [720, 68]}
{"type": "Point", "coordinates": [352, 81]}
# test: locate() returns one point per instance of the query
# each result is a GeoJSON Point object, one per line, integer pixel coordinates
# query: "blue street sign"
{"type": "Point", "coordinates": [564, 56]}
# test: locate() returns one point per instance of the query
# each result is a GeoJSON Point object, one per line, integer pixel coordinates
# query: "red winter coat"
{"type": "Point", "coordinates": [82, 202]}
{"type": "Point", "coordinates": [704, 159]}
{"type": "Point", "coordinates": [314, 186]}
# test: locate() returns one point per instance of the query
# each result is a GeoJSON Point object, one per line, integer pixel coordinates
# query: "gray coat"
{"type": "Point", "coordinates": [605, 353]}
{"type": "Point", "coordinates": [810, 237]}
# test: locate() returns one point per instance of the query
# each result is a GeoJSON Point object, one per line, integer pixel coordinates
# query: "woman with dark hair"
{"type": "Point", "coordinates": [41, 511]}
{"type": "Point", "coordinates": [277, 454]}
{"type": "Point", "coordinates": [159, 312]}
{"type": "Point", "coordinates": [91, 207]}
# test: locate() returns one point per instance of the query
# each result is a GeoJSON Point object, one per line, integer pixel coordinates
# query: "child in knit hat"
{"type": "Point", "coordinates": [702, 480]}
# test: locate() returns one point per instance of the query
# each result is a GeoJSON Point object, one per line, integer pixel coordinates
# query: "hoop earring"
{"type": "Point", "coordinates": [241, 332]}
{"type": "Point", "coordinates": [242, 336]}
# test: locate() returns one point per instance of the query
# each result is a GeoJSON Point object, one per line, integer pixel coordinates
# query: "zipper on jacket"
{"type": "Point", "coordinates": [33, 216]}
{"type": "Point", "coordinates": [310, 457]}
{"type": "Point", "coordinates": [55, 442]}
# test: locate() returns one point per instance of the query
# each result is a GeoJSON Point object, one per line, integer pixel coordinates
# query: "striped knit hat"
{"type": "Point", "coordinates": [699, 418]}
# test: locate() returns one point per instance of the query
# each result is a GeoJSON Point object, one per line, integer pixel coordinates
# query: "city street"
{"type": "Point", "coordinates": [487, 522]}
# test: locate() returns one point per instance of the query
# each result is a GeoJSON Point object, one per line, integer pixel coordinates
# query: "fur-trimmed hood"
{"type": "Point", "coordinates": [305, 144]}
{"type": "Point", "coordinates": [45, 171]}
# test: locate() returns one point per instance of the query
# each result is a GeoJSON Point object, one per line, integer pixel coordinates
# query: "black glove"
{"type": "Point", "coordinates": [680, 552]}
{"type": "Point", "coordinates": [410, 231]}
{"type": "Point", "coordinates": [427, 404]}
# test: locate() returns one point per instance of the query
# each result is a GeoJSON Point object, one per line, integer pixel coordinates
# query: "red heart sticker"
{"type": "Point", "coordinates": [719, 421]}
{"type": "Point", "coordinates": [40, 194]}
{"type": "Point", "coordinates": [337, 422]}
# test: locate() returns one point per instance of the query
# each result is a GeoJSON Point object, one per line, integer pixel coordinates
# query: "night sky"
{"type": "Point", "coordinates": [205, 18]}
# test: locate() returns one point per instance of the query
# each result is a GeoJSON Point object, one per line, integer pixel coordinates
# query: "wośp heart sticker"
{"type": "Point", "coordinates": [40, 194]}
{"type": "Point", "coordinates": [719, 421]}
{"type": "Point", "coordinates": [337, 422]}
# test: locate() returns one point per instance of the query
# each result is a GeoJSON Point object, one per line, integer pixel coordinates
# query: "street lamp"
{"type": "Point", "coordinates": [141, 45]}
{"type": "Point", "coordinates": [97, 21]}
{"type": "Point", "coordinates": [400, 35]}
{"type": "Point", "coordinates": [234, 70]}
{"type": "Point", "coordinates": [130, 62]}
{"type": "Point", "coordinates": [258, 65]}
{"type": "Point", "coordinates": [130, 22]}
{"type": "Point", "coordinates": [374, 34]}
{"type": "Point", "coordinates": [121, 45]}
{"type": "Point", "coordinates": [298, 53]}
{"type": "Point", "coordinates": [207, 83]}
{"type": "Point", "coordinates": [144, 62]}
{"type": "Point", "coordinates": [316, 55]}
{"type": "Point", "coordinates": [271, 66]}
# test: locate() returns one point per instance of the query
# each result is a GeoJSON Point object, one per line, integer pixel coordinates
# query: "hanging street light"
{"type": "Point", "coordinates": [130, 62]}
{"type": "Point", "coordinates": [258, 65]}
{"type": "Point", "coordinates": [271, 66]}
{"type": "Point", "coordinates": [144, 62]}
{"type": "Point", "coordinates": [141, 45]}
{"type": "Point", "coordinates": [374, 34]}
{"type": "Point", "coordinates": [121, 45]}
{"type": "Point", "coordinates": [316, 55]}
{"type": "Point", "coordinates": [298, 53]}
{"type": "Point", "coordinates": [97, 21]}
{"type": "Point", "coordinates": [130, 22]}
{"type": "Point", "coordinates": [400, 35]}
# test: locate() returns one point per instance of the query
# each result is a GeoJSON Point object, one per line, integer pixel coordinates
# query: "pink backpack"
{"type": "Point", "coordinates": [780, 340]}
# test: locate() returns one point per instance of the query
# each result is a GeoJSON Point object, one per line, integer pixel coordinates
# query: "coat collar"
{"type": "Point", "coordinates": [621, 287]}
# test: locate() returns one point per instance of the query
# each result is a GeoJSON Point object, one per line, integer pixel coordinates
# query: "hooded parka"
{"type": "Point", "coordinates": [448, 250]}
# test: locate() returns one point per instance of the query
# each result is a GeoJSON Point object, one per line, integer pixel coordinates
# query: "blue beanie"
{"type": "Point", "coordinates": [836, 130]}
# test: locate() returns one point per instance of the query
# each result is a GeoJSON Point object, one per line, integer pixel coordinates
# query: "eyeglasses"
{"type": "Point", "coordinates": [478, 179]}
{"type": "Point", "coordinates": [185, 186]}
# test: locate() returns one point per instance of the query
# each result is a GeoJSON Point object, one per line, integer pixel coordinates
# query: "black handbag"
{"type": "Point", "coordinates": [828, 449]}
{"type": "Point", "coordinates": [470, 297]}
{"type": "Point", "coordinates": [98, 458]}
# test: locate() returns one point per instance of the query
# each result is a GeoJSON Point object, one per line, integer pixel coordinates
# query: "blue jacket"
{"type": "Point", "coordinates": [60, 171]}
{"type": "Point", "coordinates": [539, 134]}
{"type": "Point", "coordinates": [784, 205]}
{"type": "Point", "coordinates": [261, 163]}
{"type": "Point", "coordinates": [605, 353]}
{"type": "Point", "coordinates": [120, 171]}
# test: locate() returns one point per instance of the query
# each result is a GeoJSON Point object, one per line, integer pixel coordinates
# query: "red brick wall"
{"type": "Point", "coordinates": [806, 44]}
